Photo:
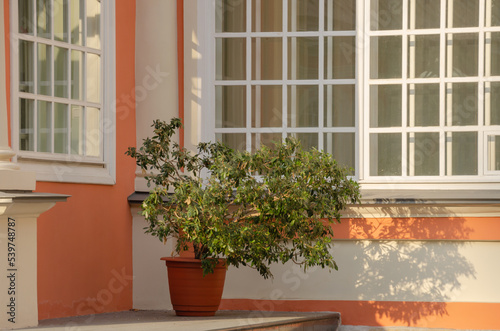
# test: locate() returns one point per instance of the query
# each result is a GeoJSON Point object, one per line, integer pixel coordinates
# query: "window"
{"type": "Point", "coordinates": [63, 119]}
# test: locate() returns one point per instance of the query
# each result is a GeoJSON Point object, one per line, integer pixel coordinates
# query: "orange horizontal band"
{"type": "Point", "coordinates": [446, 228]}
{"type": "Point", "coordinates": [456, 315]}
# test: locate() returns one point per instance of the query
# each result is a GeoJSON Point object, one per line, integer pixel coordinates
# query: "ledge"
{"type": "Point", "coordinates": [26, 197]}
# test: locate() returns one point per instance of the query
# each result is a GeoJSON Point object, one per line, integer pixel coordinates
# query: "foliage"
{"type": "Point", "coordinates": [254, 209]}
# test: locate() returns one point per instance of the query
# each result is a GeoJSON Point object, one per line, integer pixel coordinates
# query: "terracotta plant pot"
{"type": "Point", "coordinates": [191, 293]}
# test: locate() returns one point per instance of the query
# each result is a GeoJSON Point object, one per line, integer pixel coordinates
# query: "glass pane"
{"type": "Point", "coordinates": [77, 74]}
{"type": "Point", "coordinates": [93, 78]}
{"type": "Point", "coordinates": [44, 124]}
{"type": "Point", "coordinates": [494, 102]}
{"type": "Point", "coordinates": [25, 16]}
{"type": "Point", "coordinates": [385, 106]}
{"type": "Point", "coordinates": [307, 140]}
{"type": "Point", "coordinates": [77, 21]}
{"type": "Point", "coordinates": [230, 15]}
{"type": "Point", "coordinates": [230, 106]}
{"type": "Point", "coordinates": [465, 58]}
{"type": "Point", "coordinates": [386, 14]}
{"type": "Point", "coordinates": [303, 106]}
{"type": "Point", "coordinates": [340, 57]}
{"type": "Point", "coordinates": [236, 141]}
{"type": "Point", "coordinates": [44, 75]}
{"type": "Point", "coordinates": [342, 147]}
{"type": "Point", "coordinates": [464, 104]}
{"type": "Point", "coordinates": [26, 67]}
{"type": "Point", "coordinates": [61, 72]}
{"type": "Point", "coordinates": [230, 58]}
{"type": "Point", "coordinates": [340, 15]}
{"type": "Point", "coordinates": [265, 139]}
{"type": "Point", "coordinates": [43, 11]}
{"type": "Point", "coordinates": [77, 130]}
{"type": "Point", "coordinates": [267, 58]}
{"type": "Point", "coordinates": [463, 148]}
{"type": "Point", "coordinates": [267, 106]}
{"type": "Point", "coordinates": [94, 23]}
{"type": "Point", "coordinates": [26, 125]}
{"type": "Point", "coordinates": [385, 154]}
{"type": "Point", "coordinates": [423, 105]}
{"type": "Point", "coordinates": [303, 57]}
{"type": "Point", "coordinates": [465, 13]}
{"type": "Point", "coordinates": [385, 57]}
{"type": "Point", "coordinates": [493, 153]}
{"type": "Point", "coordinates": [303, 15]}
{"type": "Point", "coordinates": [495, 12]}
{"type": "Point", "coordinates": [495, 54]}
{"type": "Point", "coordinates": [423, 154]}
{"type": "Point", "coordinates": [92, 132]}
{"type": "Point", "coordinates": [60, 128]}
{"type": "Point", "coordinates": [61, 20]}
{"type": "Point", "coordinates": [427, 14]}
{"type": "Point", "coordinates": [426, 63]}
{"type": "Point", "coordinates": [339, 104]}
{"type": "Point", "coordinates": [267, 15]}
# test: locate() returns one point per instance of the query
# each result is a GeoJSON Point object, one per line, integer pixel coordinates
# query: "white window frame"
{"type": "Point", "coordinates": [54, 167]}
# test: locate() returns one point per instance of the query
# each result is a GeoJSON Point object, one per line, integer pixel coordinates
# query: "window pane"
{"type": "Point", "coordinates": [93, 78]}
{"type": "Point", "coordinates": [342, 147]}
{"type": "Point", "coordinates": [465, 58]}
{"type": "Point", "coordinates": [44, 75]}
{"type": "Point", "coordinates": [236, 141]}
{"type": "Point", "coordinates": [94, 23]}
{"type": "Point", "coordinates": [303, 106]}
{"type": "Point", "coordinates": [25, 16]}
{"type": "Point", "coordinates": [61, 72]}
{"type": "Point", "coordinates": [495, 12]}
{"type": "Point", "coordinates": [463, 149]}
{"type": "Point", "coordinates": [386, 14]}
{"type": "Point", "coordinates": [230, 15]}
{"type": "Point", "coordinates": [494, 102]}
{"type": "Point", "coordinates": [60, 128]}
{"type": "Point", "coordinates": [339, 105]}
{"type": "Point", "coordinates": [77, 74]}
{"type": "Point", "coordinates": [464, 104]}
{"type": "Point", "coordinates": [307, 140]}
{"type": "Point", "coordinates": [26, 125]}
{"type": "Point", "coordinates": [385, 106]}
{"type": "Point", "coordinates": [493, 153]}
{"type": "Point", "coordinates": [60, 20]}
{"type": "Point", "coordinates": [427, 14]}
{"type": "Point", "coordinates": [426, 63]}
{"type": "Point", "coordinates": [77, 21]}
{"type": "Point", "coordinates": [465, 13]}
{"type": "Point", "coordinates": [385, 154]}
{"type": "Point", "coordinates": [495, 54]}
{"type": "Point", "coordinates": [423, 154]}
{"type": "Point", "coordinates": [340, 57]}
{"type": "Point", "coordinates": [77, 130]}
{"type": "Point", "coordinates": [230, 106]}
{"type": "Point", "coordinates": [267, 106]}
{"type": "Point", "coordinates": [267, 58]}
{"type": "Point", "coordinates": [340, 15]}
{"type": "Point", "coordinates": [385, 57]}
{"type": "Point", "coordinates": [267, 15]}
{"type": "Point", "coordinates": [26, 67]}
{"type": "Point", "coordinates": [92, 132]}
{"type": "Point", "coordinates": [303, 57]}
{"type": "Point", "coordinates": [43, 11]}
{"type": "Point", "coordinates": [230, 58]}
{"type": "Point", "coordinates": [303, 15]}
{"type": "Point", "coordinates": [265, 139]}
{"type": "Point", "coordinates": [423, 105]}
{"type": "Point", "coordinates": [44, 124]}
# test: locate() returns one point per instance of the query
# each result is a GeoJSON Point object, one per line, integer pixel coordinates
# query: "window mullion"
{"type": "Point", "coordinates": [284, 123]}
{"type": "Point", "coordinates": [248, 87]}
{"type": "Point", "coordinates": [321, 70]}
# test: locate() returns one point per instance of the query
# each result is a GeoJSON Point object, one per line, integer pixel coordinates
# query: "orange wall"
{"type": "Point", "coordinates": [85, 244]}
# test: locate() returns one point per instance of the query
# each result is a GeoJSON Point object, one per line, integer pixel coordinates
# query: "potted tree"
{"type": "Point", "coordinates": [238, 208]}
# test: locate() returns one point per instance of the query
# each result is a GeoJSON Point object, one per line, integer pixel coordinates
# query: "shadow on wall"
{"type": "Point", "coordinates": [412, 269]}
